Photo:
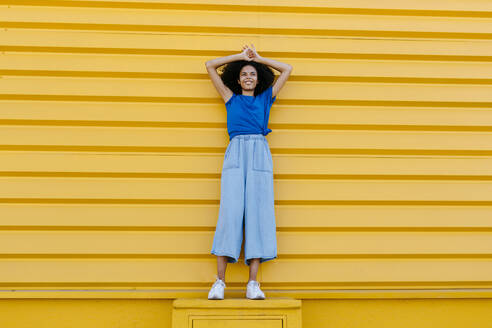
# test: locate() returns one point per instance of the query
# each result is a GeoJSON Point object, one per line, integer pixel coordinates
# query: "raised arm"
{"type": "Point", "coordinates": [283, 68]}
{"type": "Point", "coordinates": [212, 65]}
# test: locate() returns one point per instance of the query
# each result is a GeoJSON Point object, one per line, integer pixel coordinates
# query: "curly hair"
{"type": "Point", "coordinates": [229, 74]}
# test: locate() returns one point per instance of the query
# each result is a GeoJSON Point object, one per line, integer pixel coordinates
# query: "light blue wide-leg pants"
{"type": "Point", "coordinates": [246, 200]}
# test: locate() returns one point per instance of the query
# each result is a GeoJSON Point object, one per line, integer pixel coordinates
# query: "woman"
{"type": "Point", "coordinates": [246, 201]}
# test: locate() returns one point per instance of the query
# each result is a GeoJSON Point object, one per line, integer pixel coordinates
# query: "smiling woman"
{"type": "Point", "coordinates": [247, 198]}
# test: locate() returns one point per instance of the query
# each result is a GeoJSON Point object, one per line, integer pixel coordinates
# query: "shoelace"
{"type": "Point", "coordinates": [218, 282]}
{"type": "Point", "coordinates": [255, 285]}
{"type": "Point", "coordinates": [254, 282]}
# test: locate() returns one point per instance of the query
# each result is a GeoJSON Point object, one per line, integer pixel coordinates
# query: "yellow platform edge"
{"type": "Point", "coordinates": [332, 294]}
{"type": "Point", "coordinates": [201, 303]}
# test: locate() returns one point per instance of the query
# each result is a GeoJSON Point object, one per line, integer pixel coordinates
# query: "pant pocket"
{"type": "Point", "coordinates": [262, 158]}
{"type": "Point", "coordinates": [231, 156]}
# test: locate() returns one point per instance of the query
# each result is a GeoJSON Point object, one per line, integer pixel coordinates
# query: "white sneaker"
{"type": "Point", "coordinates": [217, 290]}
{"type": "Point", "coordinates": [253, 291]}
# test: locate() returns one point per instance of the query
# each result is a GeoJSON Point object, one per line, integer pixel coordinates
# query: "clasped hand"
{"type": "Point", "coordinates": [250, 54]}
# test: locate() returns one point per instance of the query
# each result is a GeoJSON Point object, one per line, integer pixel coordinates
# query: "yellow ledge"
{"type": "Point", "coordinates": [199, 303]}
{"type": "Point", "coordinates": [298, 294]}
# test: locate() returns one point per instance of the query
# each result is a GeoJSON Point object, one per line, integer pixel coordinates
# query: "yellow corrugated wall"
{"type": "Point", "coordinates": [112, 139]}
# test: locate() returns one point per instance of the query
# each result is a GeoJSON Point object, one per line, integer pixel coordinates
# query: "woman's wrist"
{"type": "Point", "coordinates": [223, 60]}
{"type": "Point", "coordinates": [258, 58]}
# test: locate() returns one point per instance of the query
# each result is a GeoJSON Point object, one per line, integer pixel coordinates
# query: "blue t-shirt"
{"type": "Point", "coordinates": [249, 114]}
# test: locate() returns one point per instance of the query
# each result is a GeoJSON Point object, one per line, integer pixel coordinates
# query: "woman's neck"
{"type": "Point", "coordinates": [248, 93]}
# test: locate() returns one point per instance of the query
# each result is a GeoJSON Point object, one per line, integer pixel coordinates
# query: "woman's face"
{"type": "Point", "coordinates": [248, 78]}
